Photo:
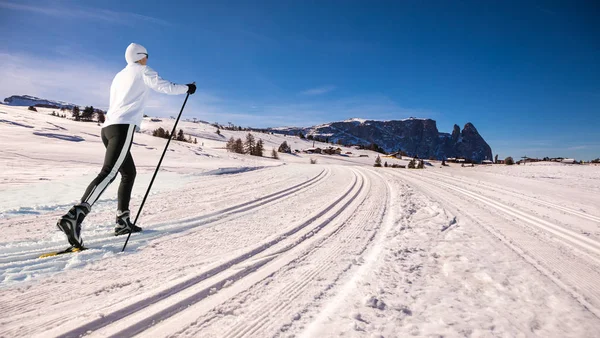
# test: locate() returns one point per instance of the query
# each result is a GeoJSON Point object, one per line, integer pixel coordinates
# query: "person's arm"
{"type": "Point", "coordinates": [154, 81]}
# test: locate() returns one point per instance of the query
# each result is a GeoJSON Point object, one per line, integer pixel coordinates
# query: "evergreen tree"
{"type": "Point", "coordinates": [230, 146]}
{"type": "Point", "coordinates": [421, 165]}
{"type": "Point", "coordinates": [101, 117]}
{"type": "Point", "coordinates": [180, 135]}
{"type": "Point", "coordinates": [258, 148]}
{"type": "Point", "coordinates": [249, 144]}
{"type": "Point", "coordinates": [88, 113]}
{"type": "Point", "coordinates": [76, 113]}
{"type": "Point", "coordinates": [195, 140]}
{"type": "Point", "coordinates": [239, 146]}
{"type": "Point", "coordinates": [274, 154]}
{"type": "Point", "coordinates": [509, 161]}
{"type": "Point", "coordinates": [285, 148]}
{"type": "Point", "coordinates": [385, 164]}
{"type": "Point", "coordinates": [412, 164]}
{"type": "Point", "coordinates": [377, 161]}
{"type": "Point", "coordinates": [218, 131]}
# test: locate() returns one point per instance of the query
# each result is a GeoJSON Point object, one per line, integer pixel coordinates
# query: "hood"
{"type": "Point", "coordinates": [135, 53]}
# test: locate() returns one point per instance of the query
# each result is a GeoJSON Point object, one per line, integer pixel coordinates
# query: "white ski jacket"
{"type": "Point", "coordinates": [129, 91]}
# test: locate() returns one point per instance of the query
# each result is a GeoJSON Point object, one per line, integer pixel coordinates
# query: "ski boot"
{"type": "Point", "coordinates": [70, 224]}
{"type": "Point", "coordinates": [124, 225]}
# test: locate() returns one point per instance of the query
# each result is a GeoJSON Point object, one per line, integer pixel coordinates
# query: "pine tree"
{"type": "Point", "coordinates": [258, 148]}
{"type": "Point", "coordinates": [412, 164]}
{"type": "Point", "coordinates": [218, 131]}
{"type": "Point", "coordinates": [284, 148]}
{"type": "Point", "coordinates": [239, 146]}
{"type": "Point", "coordinates": [76, 113]}
{"type": "Point", "coordinates": [88, 113]}
{"type": "Point", "coordinates": [274, 154]}
{"type": "Point", "coordinates": [180, 135]}
{"type": "Point", "coordinates": [230, 146]}
{"type": "Point", "coordinates": [421, 165]}
{"type": "Point", "coordinates": [101, 117]}
{"type": "Point", "coordinates": [249, 144]}
{"type": "Point", "coordinates": [377, 161]}
{"type": "Point", "coordinates": [195, 140]}
{"type": "Point", "coordinates": [385, 164]}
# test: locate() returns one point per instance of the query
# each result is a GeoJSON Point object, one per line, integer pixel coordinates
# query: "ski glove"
{"type": "Point", "coordinates": [191, 88]}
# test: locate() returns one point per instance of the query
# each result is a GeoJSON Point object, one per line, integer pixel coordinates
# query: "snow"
{"type": "Point", "coordinates": [356, 119]}
{"type": "Point", "coordinates": [236, 245]}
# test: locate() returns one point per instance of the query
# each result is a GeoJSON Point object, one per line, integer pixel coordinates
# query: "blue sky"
{"type": "Point", "coordinates": [526, 74]}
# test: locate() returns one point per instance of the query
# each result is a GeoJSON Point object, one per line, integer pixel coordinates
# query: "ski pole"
{"type": "Point", "coordinates": [156, 171]}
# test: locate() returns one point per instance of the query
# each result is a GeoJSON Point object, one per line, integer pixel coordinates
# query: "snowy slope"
{"type": "Point", "coordinates": [241, 246]}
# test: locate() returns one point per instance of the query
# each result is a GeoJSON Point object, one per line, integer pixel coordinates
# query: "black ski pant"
{"type": "Point", "coordinates": [117, 139]}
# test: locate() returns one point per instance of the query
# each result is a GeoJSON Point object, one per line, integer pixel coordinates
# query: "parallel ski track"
{"type": "Point", "coordinates": [572, 275]}
{"type": "Point", "coordinates": [491, 186]}
{"type": "Point", "coordinates": [264, 317]}
{"type": "Point", "coordinates": [571, 238]}
{"type": "Point", "coordinates": [14, 258]}
{"type": "Point", "coordinates": [337, 206]}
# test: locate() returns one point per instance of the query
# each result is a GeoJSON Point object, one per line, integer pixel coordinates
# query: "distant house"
{"type": "Point", "coordinates": [363, 155]}
{"type": "Point", "coordinates": [568, 161]}
{"type": "Point", "coordinates": [332, 150]}
{"type": "Point", "coordinates": [348, 153]}
{"type": "Point", "coordinates": [487, 162]}
{"type": "Point", "coordinates": [395, 155]}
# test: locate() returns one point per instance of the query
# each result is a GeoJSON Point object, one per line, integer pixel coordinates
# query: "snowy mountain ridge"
{"type": "Point", "coordinates": [415, 136]}
{"type": "Point", "coordinates": [28, 100]}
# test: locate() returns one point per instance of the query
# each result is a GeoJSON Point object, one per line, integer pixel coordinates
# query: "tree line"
{"type": "Point", "coordinates": [250, 146]}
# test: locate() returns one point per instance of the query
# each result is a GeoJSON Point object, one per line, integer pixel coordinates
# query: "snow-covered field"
{"type": "Point", "coordinates": [242, 246]}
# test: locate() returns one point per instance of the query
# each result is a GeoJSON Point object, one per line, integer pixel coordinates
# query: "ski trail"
{"type": "Point", "coordinates": [494, 187]}
{"type": "Point", "coordinates": [568, 236]}
{"type": "Point", "coordinates": [197, 288]}
{"type": "Point", "coordinates": [14, 261]}
{"type": "Point", "coordinates": [576, 274]}
{"type": "Point", "coordinates": [265, 317]}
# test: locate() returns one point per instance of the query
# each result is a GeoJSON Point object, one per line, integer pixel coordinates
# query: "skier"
{"type": "Point", "coordinates": [128, 94]}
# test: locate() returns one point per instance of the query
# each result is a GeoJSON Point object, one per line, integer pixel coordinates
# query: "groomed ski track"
{"type": "Point", "coordinates": [255, 263]}
{"type": "Point", "coordinates": [561, 251]}
{"type": "Point", "coordinates": [291, 252]}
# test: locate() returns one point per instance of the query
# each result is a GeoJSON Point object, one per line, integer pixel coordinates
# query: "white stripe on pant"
{"type": "Point", "coordinates": [98, 189]}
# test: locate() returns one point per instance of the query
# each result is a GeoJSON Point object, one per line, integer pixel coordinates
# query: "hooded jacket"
{"type": "Point", "coordinates": [129, 89]}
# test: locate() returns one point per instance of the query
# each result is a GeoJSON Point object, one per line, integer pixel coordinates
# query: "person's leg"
{"type": "Point", "coordinates": [117, 139]}
{"type": "Point", "coordinates": [128, 173]}
{"type": "Point", "coordinates": [123, 222]}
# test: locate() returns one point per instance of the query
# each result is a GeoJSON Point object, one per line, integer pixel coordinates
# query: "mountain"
{"type": "Point", "coordinates": [416, 137]}
{"type": "Point", "coordinates": [26, 100]}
